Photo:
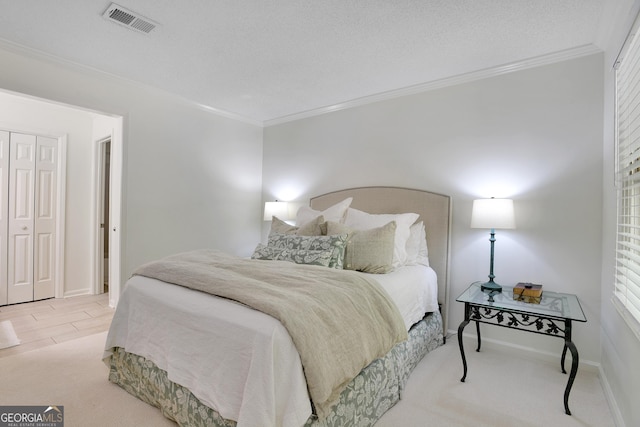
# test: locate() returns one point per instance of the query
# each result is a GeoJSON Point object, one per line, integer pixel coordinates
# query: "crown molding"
{"type": "Point", "coordinates": [563, 55]}
{"type": "Point", "coordinates": [538, 61]}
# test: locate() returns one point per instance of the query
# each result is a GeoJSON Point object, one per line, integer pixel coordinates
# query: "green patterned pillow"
{"type": "Point", "coordinates": [336, 244]}
{"type": "Point", "coordinates": [299, 256]}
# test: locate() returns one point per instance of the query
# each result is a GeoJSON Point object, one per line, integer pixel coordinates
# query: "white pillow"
{"type": "Point", "coordinates": [334, 213]}
{"type": "Point", "coordinates": [363, 221]}
{"type": "Point", "coordinates": [417, 250]}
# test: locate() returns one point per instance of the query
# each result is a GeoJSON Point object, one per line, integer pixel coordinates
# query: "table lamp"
{"type": "Point", "coordinates": [492, 213]}
{"type": "Point", "coordinates": [277, 209]}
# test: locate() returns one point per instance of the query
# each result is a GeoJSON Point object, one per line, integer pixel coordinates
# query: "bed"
{"type": "Point", "coordinates": [188, 352]}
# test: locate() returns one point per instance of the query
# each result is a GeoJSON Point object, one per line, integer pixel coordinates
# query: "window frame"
{"type": "Point", "coordinates": [626, 290]}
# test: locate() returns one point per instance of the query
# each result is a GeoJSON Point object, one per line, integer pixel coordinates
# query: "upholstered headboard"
{"type": "Point", "coordinates": [434, 209]}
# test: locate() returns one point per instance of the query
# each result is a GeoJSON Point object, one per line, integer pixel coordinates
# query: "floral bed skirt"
{"type": "Point", "coordinates": [371, 393]}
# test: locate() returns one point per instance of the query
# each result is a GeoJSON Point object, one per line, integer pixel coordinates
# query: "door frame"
{"type": "Point", "coordinates": [101, 232]}
{"type": "Point", "coordinates": [61, 213]}
{"type": "Point", "coordinates": [115, 135]}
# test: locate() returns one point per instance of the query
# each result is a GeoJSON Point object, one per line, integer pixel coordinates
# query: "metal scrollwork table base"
{"type": "Point", "coordinates": [552, 316]}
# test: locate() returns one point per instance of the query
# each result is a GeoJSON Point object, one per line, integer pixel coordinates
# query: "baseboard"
{"type": "Point", "coordinates": [78, 293]}
{"type": "Point", "coordinates": [611, 400]}
{"type": "Point", "coordinates": [527, 352]}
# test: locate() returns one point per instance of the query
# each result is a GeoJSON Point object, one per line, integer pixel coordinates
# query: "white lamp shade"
{"type": "Point", "coordinates": [492, 213]}
{"type": "Point", "coordinates": [278, 209]}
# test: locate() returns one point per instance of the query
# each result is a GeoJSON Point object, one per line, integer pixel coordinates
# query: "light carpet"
{"type": "Point", "coordinates": [500, 390]}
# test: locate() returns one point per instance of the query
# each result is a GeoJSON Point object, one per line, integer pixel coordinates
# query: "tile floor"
{"type": "Point", "coordinates": [42, 323]}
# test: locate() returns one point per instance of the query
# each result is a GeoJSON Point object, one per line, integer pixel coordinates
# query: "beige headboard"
{"type": "Point", "coordinates": [434, 209]}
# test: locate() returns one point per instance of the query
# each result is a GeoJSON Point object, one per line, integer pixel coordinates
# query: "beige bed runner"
{"type": "Point", "coordinates": [340, 321]}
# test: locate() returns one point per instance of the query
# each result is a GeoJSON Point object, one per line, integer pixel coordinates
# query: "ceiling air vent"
{"type": "Point", "coordinates": [132, 20]}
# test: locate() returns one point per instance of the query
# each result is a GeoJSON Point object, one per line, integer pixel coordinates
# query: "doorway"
{"type": "Point", "coordinates": [107, 210]}
{"type": "Point", "coordinates": [78, 237]}
{"type": "Point", "coordinates": [104, 149]}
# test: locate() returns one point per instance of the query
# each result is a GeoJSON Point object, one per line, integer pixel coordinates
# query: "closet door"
{"type": "Point", "coordinates": [45, 218]}
{"type": "Point", "coordinates": [22, 153]}
{"type": "Point", "coordinates": [4, 212]}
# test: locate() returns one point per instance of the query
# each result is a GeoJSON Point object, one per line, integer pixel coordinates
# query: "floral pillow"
{"type": "Point", "coordinates": [336, 244]}
{"type": "Point", "coordinates": [299, 256]}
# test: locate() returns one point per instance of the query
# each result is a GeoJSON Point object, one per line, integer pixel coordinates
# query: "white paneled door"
{"type": "Point", "coordinates": [22, 162]}
{"type": "Point", "coordinates": [45, 218]}
{"type": "Point", "coordinates": [31, 221]}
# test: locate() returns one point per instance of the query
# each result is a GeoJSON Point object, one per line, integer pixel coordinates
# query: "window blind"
{"type": "Point", "coordinates": [627, 269]}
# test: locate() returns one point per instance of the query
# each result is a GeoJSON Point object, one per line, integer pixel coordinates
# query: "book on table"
{"type": "Point", "coordinates": [527, 292]}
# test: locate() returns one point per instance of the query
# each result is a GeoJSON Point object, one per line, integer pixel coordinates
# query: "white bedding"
{"type": "Point", "coordinates": [236, 360]}
{"type": "Point", "coordinates": [414, 289]}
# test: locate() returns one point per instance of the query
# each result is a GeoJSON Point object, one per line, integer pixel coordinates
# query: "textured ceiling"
{"type": "Point", "coordinates": [264, 60]}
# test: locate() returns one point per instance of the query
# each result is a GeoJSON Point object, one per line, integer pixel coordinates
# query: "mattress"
{"type": "Point", "coordinates": [236, 360]}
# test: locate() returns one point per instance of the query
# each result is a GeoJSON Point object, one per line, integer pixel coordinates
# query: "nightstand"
{"type": "Point", "coordinates": [553, 316]}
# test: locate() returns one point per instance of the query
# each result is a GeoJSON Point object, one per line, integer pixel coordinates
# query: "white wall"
{"type": "Point", "coordinates": [191, 178]}
{"type": "Point", "coordinates": [533, 135]}
{"type": "Point", "coordinates": [194, 181]}
{"type": "Point", "coordinates": [24, 114]}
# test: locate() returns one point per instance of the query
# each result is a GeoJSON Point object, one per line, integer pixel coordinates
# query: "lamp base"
{"type": "Point", "coordinates": [491, 287]}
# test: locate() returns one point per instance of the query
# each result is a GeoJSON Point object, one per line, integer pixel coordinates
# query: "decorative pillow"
{"type": "Point", "coordinates": [299, 256]}
{"type": "Point", "coordinates": [423, 251]}
{"type": "Point", "coordinates": [417, 251]}
{"type": "Point", "coordinates": [370, 251]}
{"type": "Point", "coordinates": [278, 226]}
{"type": "Point", "coordinates": [334, 213]}
{"type": "Point", "coordinates": [312, 228]}
{"type": "Point", "coordinates": [362, 221]}
{"type": "Point", "coordinates": [335, 243]}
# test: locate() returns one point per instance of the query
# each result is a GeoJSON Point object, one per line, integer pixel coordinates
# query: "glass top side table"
{"type": "Point", "coordinates": [552, 316]}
